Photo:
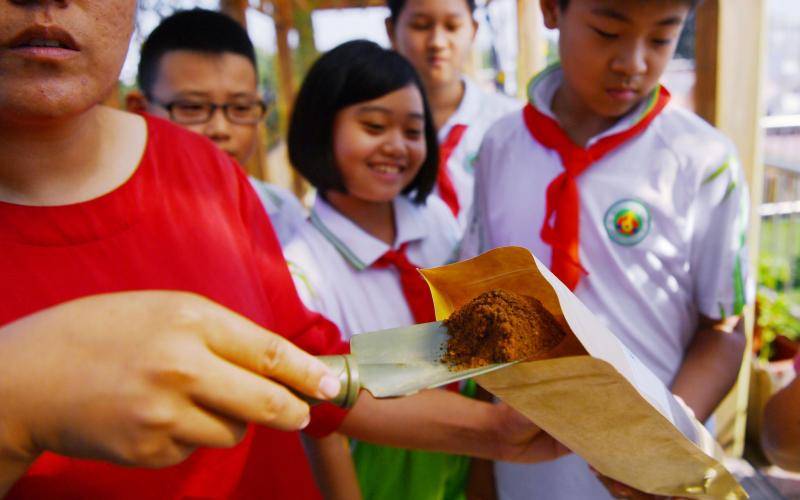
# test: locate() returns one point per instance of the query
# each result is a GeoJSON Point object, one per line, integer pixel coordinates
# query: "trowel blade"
{"type": "Point", "coordinates": [402, 361]}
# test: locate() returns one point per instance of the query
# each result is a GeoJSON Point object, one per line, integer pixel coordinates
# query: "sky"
{"type": "Point", "coordinates": [787, 10]}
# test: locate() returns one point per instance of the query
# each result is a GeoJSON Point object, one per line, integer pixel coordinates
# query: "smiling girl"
{"type": "Point", "coordinates": [362, 134]}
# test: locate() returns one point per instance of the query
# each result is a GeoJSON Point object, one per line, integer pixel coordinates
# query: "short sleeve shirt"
{"type": "Point", "coordinates": [285, 211]}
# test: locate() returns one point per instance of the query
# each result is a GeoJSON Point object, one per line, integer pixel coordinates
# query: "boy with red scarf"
{"type": "Point", "coordinates": [639, 207]}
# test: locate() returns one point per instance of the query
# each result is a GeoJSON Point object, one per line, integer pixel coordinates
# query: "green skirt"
{"type": "Point", "coordinates": [386, 473]}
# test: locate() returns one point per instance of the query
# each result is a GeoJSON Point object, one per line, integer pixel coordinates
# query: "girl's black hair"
{"type": "Point", "coordinates": [396, 7]}
{"type": "Point", "coordinates": [353, 72]}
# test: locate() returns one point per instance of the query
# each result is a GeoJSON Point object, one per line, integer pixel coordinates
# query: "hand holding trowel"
{"type": "Point", "coordinates": [493, 331]}
{"type": "Point", "coordinates": [397, 362]}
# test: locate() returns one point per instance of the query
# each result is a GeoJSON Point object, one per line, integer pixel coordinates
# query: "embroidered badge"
{"type": "Point", "coordinates": [627, 222]}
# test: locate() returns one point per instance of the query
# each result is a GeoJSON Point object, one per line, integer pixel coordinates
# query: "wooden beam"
{"type": "Point", "coordinates": [532, 55]}
{"type": "Point", "coordinates": [730, 54]}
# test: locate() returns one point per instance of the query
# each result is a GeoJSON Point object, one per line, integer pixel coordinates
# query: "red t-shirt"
{"type": "Point", "coordinates": [188, 220]}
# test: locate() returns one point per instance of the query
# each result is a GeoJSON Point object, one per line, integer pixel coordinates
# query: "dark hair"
{"type": "Point", "coordinates": [563, 4]}
{"type": "Point", "coordinates": [396, 7]}
{"type": "Point", "coordinates": [353, 72]}
{"type": "Point", "coordinates": [197, 30]}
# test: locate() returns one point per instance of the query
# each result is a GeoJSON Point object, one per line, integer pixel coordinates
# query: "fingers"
{"type": "Point", "coordinates": [243, 343]}
{"type": "Point", "coordinates": [516, 418]}
{"type": "Point", "coordinates": [541, 448]}
{"type": "Point", "coordinates": [244, 396]}
{"type": "Point", "coordinates": [620, 490]}
{"type": "Point", "coordinates": [201, 428]}
{"type": "Point", "coordinates": [544, 447]}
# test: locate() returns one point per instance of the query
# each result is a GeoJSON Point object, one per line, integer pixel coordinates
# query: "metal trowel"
{"type": "Point", "coordinates": [397, 362]}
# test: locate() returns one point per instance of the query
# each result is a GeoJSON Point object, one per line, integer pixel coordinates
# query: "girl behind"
{"type": "Point", "coordinates": [436, 36]}
{"type": "Point", "coordinates": [362, 134]}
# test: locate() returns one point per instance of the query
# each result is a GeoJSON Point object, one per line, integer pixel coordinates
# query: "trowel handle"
{"type": "Point", "coordinates": [345, 368]}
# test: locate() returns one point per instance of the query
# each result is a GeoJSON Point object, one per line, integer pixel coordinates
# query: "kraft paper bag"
{"type": "Point", "coordinates": [602, 403]}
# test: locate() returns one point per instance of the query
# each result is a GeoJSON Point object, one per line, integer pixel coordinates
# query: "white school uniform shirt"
{"type": "Point", "coordinates": [478, 109]}
{"type": "Point", "coordinates": [680, 179]}
{"type": "Point", "coordinates": [330, 258]}
{"type": "Point", "coordinates": [284, 209]}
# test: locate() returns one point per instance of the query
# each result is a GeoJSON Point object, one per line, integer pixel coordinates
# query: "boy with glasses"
{"type": "Point", "coordinates": [209, 85]}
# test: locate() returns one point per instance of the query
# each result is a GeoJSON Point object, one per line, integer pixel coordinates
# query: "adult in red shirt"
{"type": "Point", "coordinates": [98, 210]}
{"type": "Point", "coordinates": [181, 222]}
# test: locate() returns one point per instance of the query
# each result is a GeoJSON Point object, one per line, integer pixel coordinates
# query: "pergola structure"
{"type": "Point", "coordinates": [296, 14]}
{"type": "Point", "coordinates": [730, 52]}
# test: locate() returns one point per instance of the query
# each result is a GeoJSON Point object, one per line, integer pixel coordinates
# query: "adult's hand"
{"type": "Point", "coordinates": [143, 378]}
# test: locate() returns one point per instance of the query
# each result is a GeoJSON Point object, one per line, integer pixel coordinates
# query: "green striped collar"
{"type": "Point", "coordinates": [358, 247]}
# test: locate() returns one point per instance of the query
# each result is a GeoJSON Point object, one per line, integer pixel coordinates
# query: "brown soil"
{"type": "Point", "coordinates": [499, 326]}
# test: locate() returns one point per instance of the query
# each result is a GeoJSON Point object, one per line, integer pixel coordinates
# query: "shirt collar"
{"type": "Point", "coordinates": [542, 88]}
{"type": "Point", "coordinates": [467, 109]}
{"type": "Point", "coordinates": [358, 247]}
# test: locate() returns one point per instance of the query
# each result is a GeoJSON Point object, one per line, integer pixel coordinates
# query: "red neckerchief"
{"type": "Point", "coordinates": [561, 226]}
{"type": "Point", "coordinates": [415, 290]}
{"type": "Point", "coordinates": [447, 191]}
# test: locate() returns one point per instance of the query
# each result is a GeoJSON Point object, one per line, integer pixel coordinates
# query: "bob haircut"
{"type": "Point", "coordinates": [351, 73]}
{"type": "Point", "coordinates": [397, 6]}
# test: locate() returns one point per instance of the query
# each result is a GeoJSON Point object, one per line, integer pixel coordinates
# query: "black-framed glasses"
{"type": "Point", "coordinates": [188, 112]}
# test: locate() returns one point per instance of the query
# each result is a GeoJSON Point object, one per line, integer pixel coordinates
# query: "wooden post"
{"type": "Point", "coordinates": [730, 53]}
{"type": "Point", "coordinates": [706, 48]}
{"type": "Point", "coordinates": [283, 24]}
{"type": "Point", "coordinates": [237, 9]}
{"type": "Point", "coordinates": [306, 49]}
{"type": "Point", "coordinates": [258, 165]}
{"type": "Point", "coordinates": [532, 55]}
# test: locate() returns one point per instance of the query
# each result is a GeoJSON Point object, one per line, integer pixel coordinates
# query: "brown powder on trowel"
{"type": "Point", "coordinates": [499, 326]}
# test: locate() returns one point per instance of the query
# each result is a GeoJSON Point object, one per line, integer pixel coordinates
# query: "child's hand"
{"type": "Point", "coordinates": [519, 440]}
{"type": "Point", "coordinates": [619, 490]}
{"type": "Point", "coordinates": [143, 378]}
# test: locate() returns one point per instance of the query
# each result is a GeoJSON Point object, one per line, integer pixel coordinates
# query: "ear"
{"type": "Point", "coordinates": [550, 13]}
{"type": "Point", "coordinates": [390, 31]}
{"type": "Point", "coordinates": [136, 102]}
